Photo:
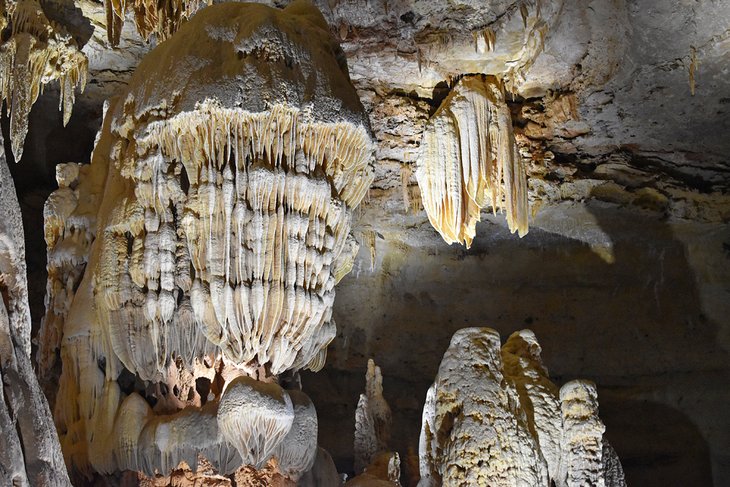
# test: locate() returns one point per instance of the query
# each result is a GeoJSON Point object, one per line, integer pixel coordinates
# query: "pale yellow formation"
{"type": "Point", "coordinates": [373, 420]}
{"type": "Point", "coordinates": [221, 226]}
{"type": "Point", "coordinates": [468, 159]}
{"type": "Point", "coordinates": [69, 231]}
{"type": "Point", "coordinates": [493, 417]}
{"type": "Point", "coordinates": [582, 445]}
{"type": "Point", "coordinates": [37, 52]}
{"type": "Point", "coordinates": [150, 17]}
{"type": "Point", "coordinates": [250, 246]}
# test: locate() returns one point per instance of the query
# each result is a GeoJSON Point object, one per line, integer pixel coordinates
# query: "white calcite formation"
{"type": "Point", "coordinates": [297, 452]}
{"type": "Point", "coordinates": [373, 420]}
{"type": "Point", "coordinates": [538, 395]}
{"type": "Point", "coordinates": [36, 52]}
{"type": "Point", "coordinates": [492, 417]}
{"type": "Point", "coordinates": [468, 159]}
{"type": "Point", "coordinates": [254, 417]}
{"type": "Point", "coordinates": [30, 454]}
{"type": "Point", "coordinates": [582, 444]}
{"type": "Point", "coordinates": [225, 177]}
{"type": "Point", "coordinates": [69, 226]}
{"type": "Point", "coordinates": [474, 431]}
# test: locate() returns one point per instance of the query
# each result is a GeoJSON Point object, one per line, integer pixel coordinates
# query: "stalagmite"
{"type": "Point", "coordinates": [582, 435]}
{"type": "Point", "coordinates": [225, 183]}
{"type": "Point", "coordinates": [37, 52]}
{"type": "Point", "coordinates": [372, 420]}
{"type": "Point", "coordinates": [383, 471]}
{"type": "Point", "coordinates": [468, 158]}
{"type": "Point", "coordinates": [538, 395]}
{"type": "Point", "coordinates": [323, 473]}
{"type": "Point", "coordinates": [297, 452]}
{"type": "Point", "coordinates": [494, 418]}
{"type": "Point", "coordinates": [477, 433]}
{"type": "Point", "coordinates": [69, 232]}
{"type": "Point", "coordinates": [30, 453]}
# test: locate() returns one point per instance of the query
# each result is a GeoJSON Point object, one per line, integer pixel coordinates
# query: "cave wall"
{"type": "Point", "coordinates": [622, 286]}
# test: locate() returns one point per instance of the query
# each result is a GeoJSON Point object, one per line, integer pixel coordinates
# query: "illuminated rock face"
{"type": "Point", "coordinates": [37, 52]}
{"type": "Point", "coordinates": [30, 454]}
{"type": "Point", "coordinates": [492, 417]}
{"type": "Point", "coordinates": [468, 158]}
{"type": "Point", "coordinates": [221, 188]}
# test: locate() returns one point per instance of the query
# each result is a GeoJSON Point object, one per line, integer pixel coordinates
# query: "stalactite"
{"type": "Point", "coordinates": [161, 19]}
{"type": "Point", "coordinates": [405, 177]}
{"type": "Point", "coordinates": [468, 157]}
{"type": "Point", "coordinates": [369, 237]}
{"type": "Point", "coordinates": [37, 52]}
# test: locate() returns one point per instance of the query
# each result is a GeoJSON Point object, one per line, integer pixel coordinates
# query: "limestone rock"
{"type": "Point", "coordinates": [31, 454]}
{"type": "Point", "coordinates": [493, 417]}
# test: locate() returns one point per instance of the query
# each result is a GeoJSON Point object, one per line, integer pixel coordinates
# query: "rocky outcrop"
{"type": "Point", "coordinates": [492, 417]}
{"type": "Point", "coordinates": [31, 454]}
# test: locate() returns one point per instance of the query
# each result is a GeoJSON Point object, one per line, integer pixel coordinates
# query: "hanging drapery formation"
{"type": "Point", "coordinates": [36, 52]}
{"type": "Point", "coordinates": [150, 17]}
{"type": "Point", "coordinates": [468, 158]}
{"type": "Point", "coordinates": [224, 194]}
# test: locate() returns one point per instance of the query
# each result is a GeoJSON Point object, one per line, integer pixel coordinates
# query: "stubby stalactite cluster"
{"type": "Point", "coordinates": [161, 19]}
{"type": "Point", "coordinates": [35, 51]}
{"type": "Point", "coordinates": [468, 158]}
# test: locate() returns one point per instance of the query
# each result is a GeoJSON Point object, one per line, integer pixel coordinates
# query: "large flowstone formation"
{"type": "Point", "coordinates": [212, 223]}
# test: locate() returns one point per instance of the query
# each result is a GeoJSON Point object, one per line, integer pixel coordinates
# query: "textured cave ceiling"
{"type": "Point", "coordinates": [619, 107]}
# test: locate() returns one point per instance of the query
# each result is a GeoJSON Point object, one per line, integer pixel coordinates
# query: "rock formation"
{"type": "Point", "coordinates": [468, 157]}
{"type": "Point", "coordinates": [36, 52]}
{"type": "Point", "coordinates": [191, 267]}
{"type": "Point", "coordinates": [372, 420]}
{"type": "Point", "coordinates": [159, 18]}
{"type": "Point", "coordinates": [31, 454]}
{"type": "Point", "coordinates": [492, 417]}
{"type": "Point", "coordinates": [195, 259]}
{"type": "Point", "coordinates": [374, 463]}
